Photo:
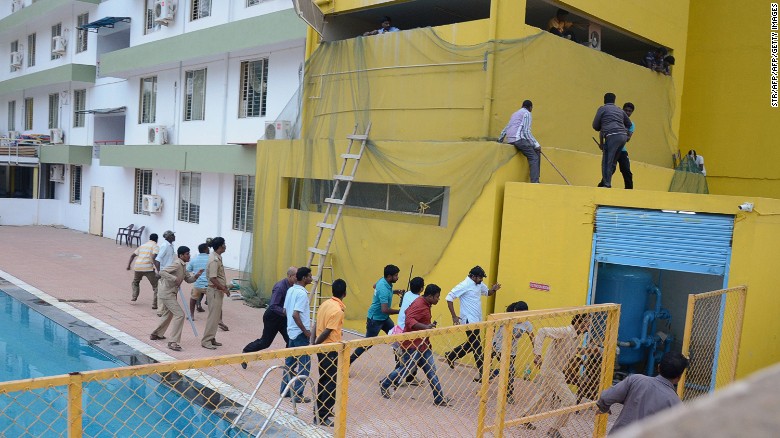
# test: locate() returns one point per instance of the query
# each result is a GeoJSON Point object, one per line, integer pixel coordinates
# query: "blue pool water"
{"type": "Point", "coordinates": [32, 345]}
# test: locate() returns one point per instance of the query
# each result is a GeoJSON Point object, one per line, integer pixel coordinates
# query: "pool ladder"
{"type": "Point", "coordinates": [300, 377]}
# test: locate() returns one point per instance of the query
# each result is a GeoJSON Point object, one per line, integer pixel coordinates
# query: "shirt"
{"type": "Point", "coordinates": [389, 29]}
{"type": "Point", "coordinates": [278, 294]}
{"type": "Point", "coordinates": [331, 316]}
{"type": "Point", "coordinates": [297, 299]}
{"type": "Point", "coordinates": [470, 295]}
{"type": "Point", "coordinates": [418, 312]}
{"type": "Point", "coordinates": [383, 294]}
{"type": "Point", "coordinates": [172, 274]}
{"type": "Point", "coordinates": [215, 269]}
{"type": "Point", "coordinates": [407, 300]}
{"type": "Point", "coordinates": [630, 131]}
{"type": "Point", "coordinates": [200, 261]}
{"type": "Point", "coordinates": [166, 254]}
{"type": "Point", "coordinates": [519, 127]}
{"type": "Point", "coordinates": [561, 25]}
{"type": "Point", "coordinates": [517, 333]}
{"type": "Point", "coordinates": [610, 119]}
{"type": "Point", "coordinates": [641, 396]}
{"type": "Point", "coordinates": [145, 255]}
{"type": "Point", "coordinates": [561, 349]}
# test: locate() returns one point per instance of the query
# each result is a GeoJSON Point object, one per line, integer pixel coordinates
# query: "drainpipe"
{"type": "Point", "coordinates": [489, 64]}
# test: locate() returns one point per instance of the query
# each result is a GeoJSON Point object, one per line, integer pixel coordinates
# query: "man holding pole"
{"type": "Point", "coordinates": [171, 278]}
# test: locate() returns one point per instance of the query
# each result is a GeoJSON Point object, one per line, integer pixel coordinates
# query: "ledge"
{"type": "Point", "coordinates": [39, 9]}
{"type": "Point", "coordinates": [56, 75]}
{"type": "Point", "coordinates": [66, 154]}
{"type": "Point", "coordinates": [231, 159]}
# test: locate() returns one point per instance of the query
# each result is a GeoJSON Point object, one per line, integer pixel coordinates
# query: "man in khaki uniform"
{"type": "Point", "coordinates": [215, 272]}
{"type": "Point", "coordinates": [144, 266]}
{"type": "Point", "coordinates": [171, 278]}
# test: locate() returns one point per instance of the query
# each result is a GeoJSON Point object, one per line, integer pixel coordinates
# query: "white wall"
{"type": "Point", "coordinates": [29, 212]}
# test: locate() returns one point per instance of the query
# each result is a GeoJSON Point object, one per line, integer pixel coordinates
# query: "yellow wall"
{"type": "Point", "coordinates": [547, 234]}
{"type": "Point", "coordinates": [726, 109]}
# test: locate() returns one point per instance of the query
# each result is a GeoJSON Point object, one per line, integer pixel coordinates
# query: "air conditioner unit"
{"type": "Point", "coordinates": [16, 59]}
{"type": "Point", "coordinates": [278, 130]}
{"type": "Point", "coordinates": [55, 136]}
{"type": "Point", "coordinates": [17, 5]}
{"type": "Point", "coordinates": [158, 135]}
{"type": "Point", "coordinates": [60, 45]}
{"type": "Point", "coordinates": [152, 203]}
{"type": "Point", "coordinates": [57, 173]}
{"type": "Point", "coordinates": [594, 36]}
{"type": "Point", "coordinates": [164, 11]}
{"type": "Point", "coordinates": [14, 134]}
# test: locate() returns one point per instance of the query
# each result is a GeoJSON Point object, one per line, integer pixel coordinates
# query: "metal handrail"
{"type": "Point", "coordinates": [252, 396]}
{"type": "Point", "coordinates": [306, 379]}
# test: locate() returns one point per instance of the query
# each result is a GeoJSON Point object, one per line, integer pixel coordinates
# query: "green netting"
{"type": "Point", "coordinates": [688, 178]}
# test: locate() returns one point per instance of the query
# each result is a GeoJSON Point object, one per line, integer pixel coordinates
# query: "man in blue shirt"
{"type": "Point", "coordinates": [199, 288]}
{"type": "Point", "coordinates": [378, 318]}
{"type": "Point", "coordinates": [296, 306]}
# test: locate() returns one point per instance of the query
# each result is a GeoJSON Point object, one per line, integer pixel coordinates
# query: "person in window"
{"type": "Point", "coordinates": [668, 62]}
{"type": "Point", "coordinates": [559, 26]}
{"type": "Point", "coordinates": [698, 160]}
{"type": "Point", "coordinates": [387, 26]}
{"type": "Point", "coordinates": [654, 59]}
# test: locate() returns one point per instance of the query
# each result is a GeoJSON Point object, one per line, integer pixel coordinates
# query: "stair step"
{"type": "Point", "coordinates": [328, 226]}
{"type": "Point", "coordinates": [343, 177]}
{"type": "Point", "coordinates": [334, 201]}
{"type": "Point", "coordinates": [351, 156]}
{"type": "Point", "coordinates": [360, 137]}
{"type": "Point", "coordinates": [317, 251]}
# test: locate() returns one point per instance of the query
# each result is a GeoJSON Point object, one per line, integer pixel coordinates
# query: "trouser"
{"type": "Point", "coordinates": [171, 313]}
{"type": "Point", "coordinates": [551, 383]}
{"type": "Point", "coordinates": [472, 345]}
{"type": "Point", "coordinates": [214, 297]}
{"type": "Point", "coordinates": [567, 33]}
{"type": "Point", "coordinates": [613, 145]}
{"type": "Point", "coordinates": [296, 365]}
{"type": "Point", "coordinates": [373, 327]}
{"type": "Point", "coordinates": [136, 284]}
{"type": "Point", "coordinates": [526, 148]}
{"type": "Point", "coordinates": [425, 360]}
{"type": "Point", "coordinates": [273, 323]}
{"type": "Point", "coordinates": [625, 170]}
{"type": "Point", "coordinates": [510, 388]}
{"type": "Point", "coordinates": [327, 364]}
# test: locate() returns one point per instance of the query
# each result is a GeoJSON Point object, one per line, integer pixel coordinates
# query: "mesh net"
{"type": "Point", "coordinates": [688, 178]}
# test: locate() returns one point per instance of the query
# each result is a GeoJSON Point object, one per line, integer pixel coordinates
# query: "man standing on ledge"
{"type": "Point", "coordinates": [518, 133]}
{"type": "Point", "coordinates": [613, 123]}
{"type": "Point", "coordinates": [470, 292]}
{"type": "Point", "coordinates": [215, 271]}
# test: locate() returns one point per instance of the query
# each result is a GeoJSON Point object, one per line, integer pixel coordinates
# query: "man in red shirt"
{"type": "Point", "coordinates": [418, 351]}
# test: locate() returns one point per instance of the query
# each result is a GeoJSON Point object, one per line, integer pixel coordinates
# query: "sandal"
{"type": "Point", "coordinates": [174, 346]}
{"type": "Point", "coordinates": [223, 327]}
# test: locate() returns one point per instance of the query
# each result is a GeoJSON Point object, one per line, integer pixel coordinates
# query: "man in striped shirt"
{"type": "Point", "coordinates": [144, 266]}
{"type": "Point", "coordinates": [518, 133]}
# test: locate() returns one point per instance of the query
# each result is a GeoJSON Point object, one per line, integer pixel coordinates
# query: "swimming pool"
{"type": "Point", "coordinates": [32, 345]}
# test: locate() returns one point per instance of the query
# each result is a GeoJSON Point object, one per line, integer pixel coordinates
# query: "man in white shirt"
{"type": "Point", "coordinates": [167, 255]}
{"type": "Point", "coordinates": [296, 306]}
{"type": "Point", "coordinates": [470, 292]}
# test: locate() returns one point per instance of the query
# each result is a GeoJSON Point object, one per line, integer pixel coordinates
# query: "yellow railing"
{"type": "Point", "coordinates": [204, 397]}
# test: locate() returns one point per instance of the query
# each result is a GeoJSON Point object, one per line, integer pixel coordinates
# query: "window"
{"type": "Point", "coordinates": [200, 9]}
{"type": "Point", "coordinates": [28, 113]}
{"type": "Point", "coordinates": [56, 31]}
{"type": "Point", "coordinates": [79, 104]}
{"type": "Point", "coordinates": [143, 186]}
{"type": "Point", "coordinates": [12, 115]}
{"type": "Point", "coordinates": [425, 202]}
{"type": "Point", "coordinates": [148, 105]}
{"type": "Point", "coordinates": [252, 3]}
{"type": "Point", "coordinates": [195, 95]}
{"type": "Point", "coordinates": [244, 203]}
{"type": "Point", "coordinates": [14, 48]}
{"type": "Point", "coordinates": [253, 88]}
{"type": "Point", "coordinates": [75, 184]}
{"type": "Point", "coordinates": [54, 110]}
{"type": "Point", "coordinates": [189, 197]}
{"type": "Point", "coordinates": [149, 24]}
{"type": "Point", "coordinates": [82, 34]}
{"type": "Point", "coordinates": [31, 50]}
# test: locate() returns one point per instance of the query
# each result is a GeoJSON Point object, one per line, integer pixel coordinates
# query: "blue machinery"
{"type": "Point", "coordinates": [638, 337]}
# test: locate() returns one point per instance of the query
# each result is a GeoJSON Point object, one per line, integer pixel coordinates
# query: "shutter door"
{"type": "Point", "coordinates": [699, 243]}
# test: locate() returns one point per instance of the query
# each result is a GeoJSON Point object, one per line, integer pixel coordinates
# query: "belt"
{"type": "Point", "coordinates": [614, 133]}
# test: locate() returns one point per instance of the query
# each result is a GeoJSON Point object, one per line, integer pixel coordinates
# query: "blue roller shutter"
{"type": "Point", "coordinates": [699, 243]}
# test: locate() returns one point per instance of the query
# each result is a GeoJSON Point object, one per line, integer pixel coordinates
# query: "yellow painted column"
{"type": "Point", "coordinates": [75, 412]}
{"type": "Point", "coordinates": [342, 393]}
{"type": "Point", "coordinates": [686, 346]}
{"type": "Point", "coordinates": [607, 367]}
{"type": "Point", "coordinates": [36, 172]}
{"type": "Point", "coordinates": [483, 389]}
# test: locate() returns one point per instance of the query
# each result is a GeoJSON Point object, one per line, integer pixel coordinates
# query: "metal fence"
{"type": "Point", "coordinates": [713, 328]}
{"type": "Point", "coordinates": [389, 390]}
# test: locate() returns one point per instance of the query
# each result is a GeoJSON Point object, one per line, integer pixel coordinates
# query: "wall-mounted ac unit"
{"type": "Point", "coordinates": [55, 136]}
{"type": "Point", "coordinates": [57, 173]}
{"type": "Point", "coordinates": [164, 11]}
{"type": "Point", "coordinates": [594, 36]}
{"type": "Point", "coordinates": [278, 130]}
{"type": "Point", "coordinates": [60, 45]}
{"type": "Point", "coordinates": [16, 59]}
{"type": "Point", "coordinates": [17, 5]}
{"type": "Point", "coordinates": [152, 203]}
{"type": "Point", "coordinates": [158, 135]}
{"type": "Point", "coordinates": [14, 134]}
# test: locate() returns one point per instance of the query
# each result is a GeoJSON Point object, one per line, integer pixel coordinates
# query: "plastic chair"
{"type": "Point", "coordinates": [135, 235]}
{"type": "Point", "coordinates": [124, 233]}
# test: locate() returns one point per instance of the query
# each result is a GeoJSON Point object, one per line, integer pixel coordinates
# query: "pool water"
{"type": "Point", "coordinates": [32, 345]}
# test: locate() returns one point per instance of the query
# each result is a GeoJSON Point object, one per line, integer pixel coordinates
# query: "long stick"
{"type": "Point", "coordinates": [187, 312]}
{"type": "Point", "coordinates": [408, 286]}
{"type": "Point", "coordinates": [556, 169]}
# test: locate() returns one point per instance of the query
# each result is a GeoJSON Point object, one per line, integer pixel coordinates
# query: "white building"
{"type": "Point", "coordinates": [141, 97]}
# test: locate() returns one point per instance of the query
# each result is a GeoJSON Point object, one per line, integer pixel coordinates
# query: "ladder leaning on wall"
{"type": "Point", "coordinates": [330, 221]}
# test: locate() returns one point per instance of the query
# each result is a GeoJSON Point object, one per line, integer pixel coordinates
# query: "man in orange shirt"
{"type": "Point", "coordinates": [330, 321]}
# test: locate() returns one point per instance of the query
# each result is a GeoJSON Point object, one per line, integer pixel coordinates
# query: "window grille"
{"type": "Point", "coordinates": [75, 184]}
{"type": "Point", "coordinates": [14, 48]}
{"type": "Point", "coordinates": [12, 115]}
{"type": "Point", "coordinates": [54, 110]}
{"type": "Point", "coordinates": [200, 9]}
{"type": "Point", "coordinates": [28, 113]}
{"type": "Point", "coordinates": [252, 3]}
{"type": "Point", "coordinates": [31, 50]}
{"type": "Point", "coordinates": [82, 34]}
{"type": "Point", "coordinates": [149, 24]}
{"type": "Point", "coordinates": [189, 197]}
{"type": "Point", "coordinates": [56, 30]}
{"type": "Point", "coordinates": [143, 186]}
{"type": "Point", "coordinates": [147, 108]}
{"type": "Point", "coordinates": [195, 95]}
{"type": "Point", "coordinates": [253, 93]}
{"type": "Point", "coordinates": [243, 203]}
{"type": "Point", "coordinates": [79, 104]}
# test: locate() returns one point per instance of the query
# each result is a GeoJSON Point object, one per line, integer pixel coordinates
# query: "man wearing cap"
{"type": "Point", "coordinates": [470, 292]}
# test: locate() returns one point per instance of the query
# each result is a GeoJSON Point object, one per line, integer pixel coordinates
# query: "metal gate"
{"type": "Point", "coordinates": [713, 328]}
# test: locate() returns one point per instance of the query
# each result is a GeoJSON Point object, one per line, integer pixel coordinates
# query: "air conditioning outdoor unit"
{"type": "Point", "coordinates": [278, 130]}
{"type": "Point", "coordinates": [57, 173]}
{"type": "Point", "coordinates": [60, 45]}
{"type": "Point", "coordinates": [17, 5]}
{"type": "Point", "coordinates": [14, 134]}
{"type": "Point", "coordinates": [16, 59]}
{"type": "Point", "coordinates": [158, 135]}
{"type": "Point", "coordinates": [164, 11]}
{"type": "Point", "coordinates": [594, 36]}
{"type": "Point", "coordinates": [152, 203]}
{"type": "Point", "coordinates": [55, 136]}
